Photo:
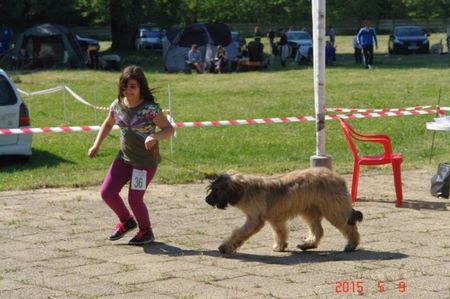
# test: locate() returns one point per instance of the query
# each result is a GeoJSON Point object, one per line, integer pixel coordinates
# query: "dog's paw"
{"type": "Point", "coordinates": [303, 245]}
{"type": "Point", "coordinates": [350, 247]}
{"type": "Point", "coordinates": [279, 248]}
{"type": "Point", "coordinates": [226, 248]}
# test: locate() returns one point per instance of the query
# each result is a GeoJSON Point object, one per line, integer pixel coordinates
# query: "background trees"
{"type": "Point", "coordinates": [125, 16]}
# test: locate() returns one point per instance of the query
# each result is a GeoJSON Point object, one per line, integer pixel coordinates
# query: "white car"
{"type": "Point", "coordinates": [301, 45]}
{"type": "Point", "coordinates": [149, 38]}
{"type": "Point", "coordinates": [13, 114]}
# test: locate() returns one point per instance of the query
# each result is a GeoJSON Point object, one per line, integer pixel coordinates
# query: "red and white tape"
{"type": "Point", "coordinates": [357, 110]}
{"type": "Point", "coordinates": [230, 122]}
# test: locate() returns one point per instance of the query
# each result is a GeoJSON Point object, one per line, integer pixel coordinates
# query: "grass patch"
{"type": "Point", "coordinates": [397, 81]}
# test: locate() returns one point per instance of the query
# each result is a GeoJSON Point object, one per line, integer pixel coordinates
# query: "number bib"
{"type": "Point", "coordinates": [138, 179]}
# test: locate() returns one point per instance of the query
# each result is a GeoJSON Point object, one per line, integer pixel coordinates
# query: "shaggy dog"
{"type": "Point", "coordinates": [312, 193]}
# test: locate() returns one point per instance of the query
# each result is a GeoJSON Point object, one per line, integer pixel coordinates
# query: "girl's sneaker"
{"type": "Point", "coordinates": [142, 238]}
{"type": "Point", "coordinates": [122, 228]}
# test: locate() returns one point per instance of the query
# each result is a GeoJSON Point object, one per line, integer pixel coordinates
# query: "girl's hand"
{"type": "Point", "coordinates": [92, 152]}
{"type": "Point", "coordinates": [150, 141]}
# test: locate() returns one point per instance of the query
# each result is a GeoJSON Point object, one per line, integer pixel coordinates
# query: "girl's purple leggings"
{"type": "Point", "coordinates": [118, 175]}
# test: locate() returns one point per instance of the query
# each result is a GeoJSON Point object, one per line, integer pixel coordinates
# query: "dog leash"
{"type": "Point", "coordinates": [203, 174]}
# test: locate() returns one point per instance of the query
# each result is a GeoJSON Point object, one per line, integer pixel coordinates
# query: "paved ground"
{"type": "Point", "coordinates": [53, 245]}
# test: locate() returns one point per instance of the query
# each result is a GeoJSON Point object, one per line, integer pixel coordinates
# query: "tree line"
{"type": "Point", "coordinates": [125, 16]}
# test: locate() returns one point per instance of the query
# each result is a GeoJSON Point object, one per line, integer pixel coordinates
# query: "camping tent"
{"type": "Point", "coordinates": [49, 46]}
{"type": "Point", "coordinates": [178, 42]}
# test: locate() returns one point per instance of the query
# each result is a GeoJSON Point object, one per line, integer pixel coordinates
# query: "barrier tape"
{"type": "Point", "coordinates": [60, 88]}
{"type": "Point", "coordinates": [229, 122]}
{"type": "Point", "coordinates": [71, 92]}
{"type": "Point", "coordinates": [354, 110]}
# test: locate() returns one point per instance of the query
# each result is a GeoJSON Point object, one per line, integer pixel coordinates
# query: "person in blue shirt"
{"type": "Point", "coordinates": [195, 58]}
{"type": "Point", "coordinates": [367, 37]}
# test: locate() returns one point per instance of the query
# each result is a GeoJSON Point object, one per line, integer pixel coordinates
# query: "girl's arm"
{"type": "Point", "coordinates": [105, 129]}
{"type": "Point", "coordinates": [166, 131]}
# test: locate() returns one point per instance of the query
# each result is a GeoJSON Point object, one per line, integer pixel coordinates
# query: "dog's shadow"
{"type": "Point", "coordinates": [291, 258]}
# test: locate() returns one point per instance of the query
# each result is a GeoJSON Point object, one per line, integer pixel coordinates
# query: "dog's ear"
{"type": "Point", "coordinates": [236, 189]}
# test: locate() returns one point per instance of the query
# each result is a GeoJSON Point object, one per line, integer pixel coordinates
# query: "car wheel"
{"type": "Point", "coordinates": [310, 55]}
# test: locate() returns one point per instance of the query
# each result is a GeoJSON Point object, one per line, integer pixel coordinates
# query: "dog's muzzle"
{"type": "Point", "coordinates": [210, 199]}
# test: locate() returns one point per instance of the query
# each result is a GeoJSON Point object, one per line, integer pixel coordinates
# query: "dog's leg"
{"type": "Point", "coordinates": [350, 231]}
{"type": "Point", "coordinates": [280, 235]}
{"type": "Point", "coordinates": [240, 235]}
{"type": "Point", "coordinates": [313, 218]}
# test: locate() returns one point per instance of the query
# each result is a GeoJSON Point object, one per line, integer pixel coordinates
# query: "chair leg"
{"type": "Point", "coordinates": [355, 179]}
{"type": "Point", "coordinates": [397, 182]}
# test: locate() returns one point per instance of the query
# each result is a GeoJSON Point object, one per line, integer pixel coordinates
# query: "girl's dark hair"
{"type": "Point", "coordinates": [135, 72]}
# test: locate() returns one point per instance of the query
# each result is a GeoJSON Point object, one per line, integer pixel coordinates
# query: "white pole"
{"type": "Point", "coordinates": [95, 102]}
{"type": "Point", "coordinates": [65, 107]}
{"type": "Point", "coordinates": [318, 18]}
{"type": "Point", "coordinates": [171, 115]}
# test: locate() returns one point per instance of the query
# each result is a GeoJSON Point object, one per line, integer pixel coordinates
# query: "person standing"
{"type": "Point", "coordinates": [137, 115]}
{"type": "Point", "coordinates": [256, 32]}
{"type": "Point", "coordinates": [357, 50]}
{"type": "Point", "coordinates": [283, 48]}
{"type": "Point", "coordinates": [332, 33]}
{"type": "Point", "coordinates": [271, 37]}
{"type": "Point", "coordinates": [367, 37]}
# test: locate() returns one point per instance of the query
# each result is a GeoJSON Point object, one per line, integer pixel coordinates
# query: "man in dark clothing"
{"type": "Point", "coordinates": [283, 48]}
{"type": "Point", "coordinates": [256, 50]}
{"type": "Point", "coordinates": [271, 37]}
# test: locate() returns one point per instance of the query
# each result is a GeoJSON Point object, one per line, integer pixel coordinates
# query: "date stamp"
{"type": "Point", "coordinates": [357, 286]}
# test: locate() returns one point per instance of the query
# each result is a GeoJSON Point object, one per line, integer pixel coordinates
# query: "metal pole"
{"type": "Point", "coordinates": [318, 14]}
{"type": "Point", "coordinates": [434, 132]}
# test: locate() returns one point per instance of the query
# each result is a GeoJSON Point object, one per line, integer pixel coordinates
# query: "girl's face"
{"type": "Point", "coordinates": [132, 90]}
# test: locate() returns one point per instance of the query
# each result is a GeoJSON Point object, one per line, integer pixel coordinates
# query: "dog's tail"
{"type": "Point", "coordinates": [355, 216]}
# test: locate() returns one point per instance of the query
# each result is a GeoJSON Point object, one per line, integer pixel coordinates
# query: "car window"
{"type": "Point", "coordinates": [410, 32]}
{"type": "Point", "coordinates": [147, 33]}
{"type": "Point", "coordinates": [298, 35]}
{"type": "Point", "coordinates": [7, 95]}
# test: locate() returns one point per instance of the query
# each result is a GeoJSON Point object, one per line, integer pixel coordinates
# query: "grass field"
{"type": "Point", "coordinates": [397, 81]}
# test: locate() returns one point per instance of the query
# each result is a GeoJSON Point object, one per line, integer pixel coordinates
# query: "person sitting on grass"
{"type": "Point", "coordinates": [220, 60]}
{"type": "Point", "coordinates": [195, 58]}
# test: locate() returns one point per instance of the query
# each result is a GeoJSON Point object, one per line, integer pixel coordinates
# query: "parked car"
{"type": "Point", "coordinates": [409, 39]}
{"type": "Point", "coordinates": [149, 38]}
{"type": "Point", "coordinates": [13, 114]}
{"type": "Point", "coordinates": [237, 40]}
{"type": "Point", "coordinates": [300, 44]}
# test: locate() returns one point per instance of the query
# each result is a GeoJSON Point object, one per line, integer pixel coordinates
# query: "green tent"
{"type": "Point", "coordinates": [48, 46]}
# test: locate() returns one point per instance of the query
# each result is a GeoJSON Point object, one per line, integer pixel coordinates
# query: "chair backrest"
{"type": "Point", "coordinates": [349, 133]}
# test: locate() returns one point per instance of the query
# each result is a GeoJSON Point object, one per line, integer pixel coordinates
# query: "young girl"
{"type": "Point", "coordinates": [220, 59]}
{"type": "Point", "coordinates": [137, 115]}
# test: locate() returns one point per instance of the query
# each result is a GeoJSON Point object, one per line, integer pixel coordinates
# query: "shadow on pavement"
{"type": "Point", "coordinates": [170, 250]}
{"type": "Point", "coordinates": [426, 205]}
{"type": "Point", "coordinates": [417, 204]}
{"type": "Point", "coordinates": [296, 257]}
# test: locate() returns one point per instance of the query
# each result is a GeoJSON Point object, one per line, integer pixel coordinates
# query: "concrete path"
{"type": "Point", "coordinates": [53, 245]}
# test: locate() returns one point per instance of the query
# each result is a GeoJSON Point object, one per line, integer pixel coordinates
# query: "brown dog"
{"type": "Point", "coordinates": [312, 193]}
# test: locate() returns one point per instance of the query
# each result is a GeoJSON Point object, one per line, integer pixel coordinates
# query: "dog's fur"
{"type": "Point", "coordinates": [312, 193]}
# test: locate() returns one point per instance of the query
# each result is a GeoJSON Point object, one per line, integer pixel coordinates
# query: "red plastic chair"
{"type": "Point", "coordinates": [385, 158]}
